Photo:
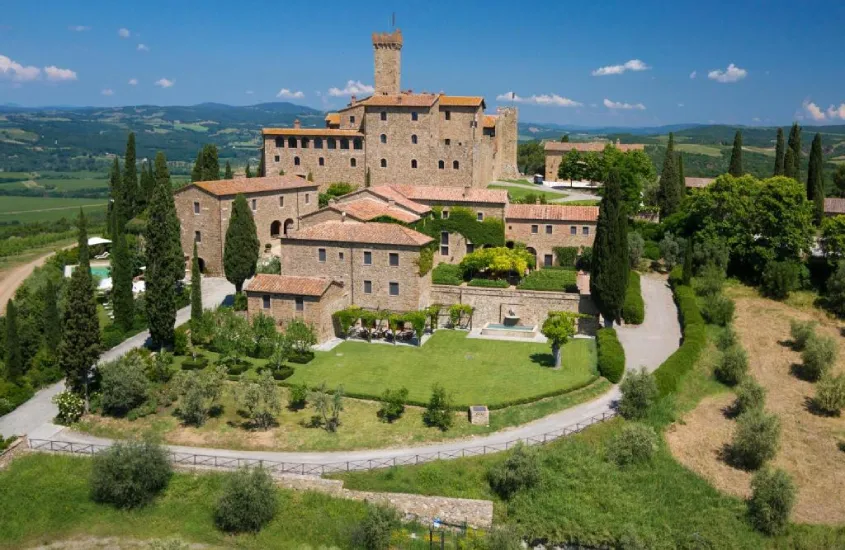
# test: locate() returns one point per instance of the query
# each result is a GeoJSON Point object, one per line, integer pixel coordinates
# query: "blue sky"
{"type": "Point", "coordinates": [754, 63]}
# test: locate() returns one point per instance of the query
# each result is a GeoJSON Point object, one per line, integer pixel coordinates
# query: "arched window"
{"type": "Point", "coordinates": [384, 163]}
{"type": "Point", "coordinates": [455, 165]}
{"type": "Point", "coordinates": [292, 143]}
{"type": "Point", "coordinates": [332, 143]}
{"type": "Point", "coordinates": [280, 142]}
{"type": "Point", "coordinates": [413, 163]}
{"type": "Point", "coordinates": [344, 143]}
{"type": "Point", "coordinates": [318, 143]}
{"type": "Point", "coordinates": [353, 163]}
{"type": "Point", "coordinates": [296, 161]}
{"type": "Point", "coordinates": [357, 143]}
{"type": "Point", "coordinates": [414, 139]}
{"type": "Point", "coordinates": [275, 228]}
{"type": "Point", "coordinates": [383, 138]}
{"type": "Point", "coordinates": [322, 161]}
{"type": "Point", "coordinates": [304, 144]}
{"type": "Point", "coordinates": [441, 164]}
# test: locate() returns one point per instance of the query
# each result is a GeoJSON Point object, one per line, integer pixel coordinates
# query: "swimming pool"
{"type": "Point", "coordinates": [101, 271]}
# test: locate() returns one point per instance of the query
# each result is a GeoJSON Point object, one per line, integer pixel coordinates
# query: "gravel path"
{"type": "Point", "coordinates": [645, 345]}
{"type": "Point", "coordinates": [34, 417]}
{"type": "Point", "coordinates": [571, 194]}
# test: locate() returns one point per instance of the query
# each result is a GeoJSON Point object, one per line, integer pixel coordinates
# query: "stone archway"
{"type": "Point", "coordinates": [201, 264]}
{"type": "Point", "coordinates": [288, 227]}
{"type": "Point", "coordinates": [533, 253]}
{"type": "Point", "coordinates": [275, 228]}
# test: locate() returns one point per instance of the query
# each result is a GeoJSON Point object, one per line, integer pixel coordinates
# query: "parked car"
{"type": "Point", "coordinates": [538, 179]}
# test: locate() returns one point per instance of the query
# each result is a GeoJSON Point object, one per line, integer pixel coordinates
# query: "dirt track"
{"type": "Point", "coordinates": [11, 279]}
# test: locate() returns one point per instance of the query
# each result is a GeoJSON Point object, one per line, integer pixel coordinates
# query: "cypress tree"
{"type": "Point", "coordinates": [227, 174]}
{"type": "Point", "coordinates": [130, 179]}
{"type": "Point", "coordinates": [367, 178]}
{"type": "Point", "coordinates": [210, 163]}
{"type": "Point", "coordinates": [80, 345]}
{"type": "Point", "coordinates": [144, 189]}
{"type": "Point", "coordinates": [668, 197]}
{"type": "Point", "coordinates": [609, 274]}
{"type": "Point", "coordinates": [789, 163]}
{"type": "Point", "coordinates": [196, 288]}
{"type": "Point", "coordinates": [261, 168]}
{"type": "Point", "coordinates": [196, 172]}
{"type": "Point", "coordinates": [815, 178]}
{"type": "Point", "coordinates": [795, 144]}
{"type": "Point", "coordinates": [682, 180]}
{"type": "Point", "coordinates": [123, 302]}
{"type": "Point", "coordinates": [165, 266]}
{"type": "Point", "coordinates": [116, 213]}
{"type": "Point", "coordinates": [14, 356]}
{"type": "Point", "coordinates": [779, 154]}
{"type": "Point", "coordinates": [735, 167]}
{"type": "Point", "coordinates": [51, 322]}
{"type": "Point", "coordinates": [240, 252]}
{"type": "Point", "coordinates": [248, 171]}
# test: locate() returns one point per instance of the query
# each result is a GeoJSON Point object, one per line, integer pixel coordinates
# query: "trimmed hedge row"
{"type": "Point", "coordinates": [633, 309]}
{"type": "Point", "coordinates": [550, 279]}
{"type": "Point", "coordinates": [489, 283]}
{"type": "Point", "coordinates": [447, 274]}
{"type": "Point", "coordinates": [611, 355]}
{"type": "Point", "coordinates": [695, 337]}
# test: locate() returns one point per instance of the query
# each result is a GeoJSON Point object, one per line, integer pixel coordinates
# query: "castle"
{"type": "Point", "coordinates": [397, 136]}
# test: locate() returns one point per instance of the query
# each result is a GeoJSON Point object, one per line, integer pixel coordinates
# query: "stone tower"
{"type": "Point", "coordinates": [387, 49]}
{"type": "Point", "coordinates": [507, 138]}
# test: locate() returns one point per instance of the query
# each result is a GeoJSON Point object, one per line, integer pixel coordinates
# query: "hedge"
{"type": "Point", "coordinates": [611, 355]}
{"type": "Point", "coordinates": [489, 283]}
{"type": "Point", "coordinates": [651, 251]}
{"type": "Point", "coordinates": [633, 310]}
{"type": "Point", "coordinates": [461, 220]}
{"type": "Point", "coordinates": [551, 279]}
{"type": "Point", "coordinates": [195, 364]}
{"type": "Point", "coordinates": [447, 274]}
{"type": "Point", "coordinates": [669, 374]}
{"type": "Point", "coordinates": [301, 358]}
{"type": "Point", "coordinates": [566, 255]}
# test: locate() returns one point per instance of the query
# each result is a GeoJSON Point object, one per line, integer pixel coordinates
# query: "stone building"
{"type": "Point", "coordinates": [308, 299]}
{"type": "Point", "coordinates": [399, 136]}
{"type": "Point", "coordinates": [204, 207]}
{"type": "Point", "coordinates": [834, 207]}
{"type": "Point", "coordinates": [542, 227]}
{"type": "Point", "coordinates": [556, 150]}
{"type": "Point", "coordinates": [377, 263]}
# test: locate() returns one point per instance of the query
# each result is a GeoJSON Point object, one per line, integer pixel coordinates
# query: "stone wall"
{"type": "Point", "coordinates": [337, 164]}
{"type": "Point", "coordinates": [207, 222]}
{"type": "Point", "coordinates": [544, 242]}
{"type": "Point", "coordinates": [507, 135]}
{"type": "Point", "coordinates": [492, 304]}
{"type": "Point", "coordinates": [316, 310]}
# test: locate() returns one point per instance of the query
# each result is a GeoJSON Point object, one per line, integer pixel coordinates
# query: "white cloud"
{"type": "Point", "coordinates": [632, 65]}
{"type": "Point", "coordinates": [78, 28]}
{"type": "Point", "coordinates": [107, 91]}
{"type": "Point", "coordinates": [680, 104]}
{"type": "Point", "coordinates": [143, 48]}
{"type": "Point", "coordinates": [249, 92]}
{"type": "Point", "coordinates": [58, 75]}
{"type": "Point", "coordinates": [756, 119]}
{"type": "Point", "coordinates": [13, 70]}
{"type": "Point", "coordinates": [285, 93]}
{"type": "Point", "coordinates": [731, 74]}
{"type": "Point", "coordinates": [164, 83]}
{"type": "Point", "coordinates": [133, 81]}
{"type": "Point", "coordinates": [693, 74]}
{"type": "Point", "coordinates": [542, 99]}
{"type": "Point", "coordinates": [836, 112]}
{"type": "Point", "coordinates": [353, 87]}
{"type": "Point", "coordinates": [124, 33]}
{"type": "Point", "coordinates": [626, 106]}
{"type": "Point", "coordinates": [813, 110]}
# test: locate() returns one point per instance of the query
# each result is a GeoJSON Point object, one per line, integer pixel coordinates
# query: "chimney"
{"type": "Point", "coordinates": [391, 203]}
{"type": "Point", "coordinates": [343, 216]}
{"type": "Point", "coordinates": [467, 189]}
{"type": "Point", "coordinates": [353, 99]}
{"type": "Point", "coordinates": [297, 124]}
{"type": "Point", "coordinates": [618, 142]}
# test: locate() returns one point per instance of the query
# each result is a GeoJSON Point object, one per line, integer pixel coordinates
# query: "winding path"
{"type": "Point", "coordinates": [646, 345]}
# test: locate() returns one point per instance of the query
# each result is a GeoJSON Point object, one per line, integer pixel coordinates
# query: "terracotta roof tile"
{"type": "Point", "coordinates": [452, 194]}
{"type": "Point", "coordinates": [388, 193]}
{"type": "Point", "coordinates": [490, 121]}
{"type": "Point", "coordinates": [363, 233]}
{"type": "Point", "coordinates": [461, 101]}
{"type": "Point", "coordinates": [591, 146]}
{"type": "Point", "coordinates": [399, 100]}
{"type": "Point", "coordinates": [368, 209]}
{"type": "Point", "coordinates": [698, 182]}
{"type": "Point", "coordinates": [551, 212]}
{"type": "Point", "coordinates": [310, 132]}
{"type": "Point", "coordinates": [285, 284]}
{"type": "Point", "coordinates": [252, 185]}
{"type": "Point", "coordinates": [333, 118]}
{"type": "Point", "coordinates": [834, 206]}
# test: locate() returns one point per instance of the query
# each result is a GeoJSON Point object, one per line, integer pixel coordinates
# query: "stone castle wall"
{"type": "Point", "coordinates": [507, 139]}
{"type": "Point", "coordinates": [544, 243]}
{"type": "Point", "coordinates": [316, 311]}
{"type": "Point", "coordinates": [336, 164]}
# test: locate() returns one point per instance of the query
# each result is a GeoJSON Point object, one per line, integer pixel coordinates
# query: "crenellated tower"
{"type": "Point", "coordinates": [387, 50]}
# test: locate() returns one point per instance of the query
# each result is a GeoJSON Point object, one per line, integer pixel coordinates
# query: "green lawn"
{"type": "Point", "coordinates": [38, 209]}
{"type": "Point", "coordinates": [520, 192]}
{"type": "Point", "coordinates": [475, 371]}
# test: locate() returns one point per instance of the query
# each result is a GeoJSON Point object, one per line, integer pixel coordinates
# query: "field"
{"type": "Point", "coordinates": [39, 209]}
{"type": "Point", "coordinates": [709, 150]}
{"type": "Point", "coordinates": [474, 371]}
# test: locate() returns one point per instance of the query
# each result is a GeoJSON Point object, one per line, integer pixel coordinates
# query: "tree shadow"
{"type": "Point", "coordinates": [812, 406]}
{"type": "Point", "coordinates": [841, 446]}
{"type": "Point", "coordinates": [731, 411]}
{"type": "Point", "coordinates": [729, 456]}
{"type": "Point", "coordinates": [543, 359]}
{"type": "Point", "coordinates": [799, 371]}
{"type": "Point", "coordinates": [787, 343]}
{"type": "Point", "coordinates": [296, 407]}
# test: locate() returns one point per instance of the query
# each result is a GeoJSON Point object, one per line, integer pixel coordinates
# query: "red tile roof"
{"type": "Point", "coordinates": [252, 185]}
{"type": "Point", "coordinates": [551, 212]}
{"type": "Point", "coordinates": [834, 206]}
{"type": "Point", "coordinates": [698, 182]}
{"type": "Point", "coordinates": [285, 284]}
{"type": "Point", "coordinates": [311, 132]}
{"type": "Point", "coordinates": [490, 121]}
{"type": "Point", "coordinates": [368, 209]}
{"type": "Point", "coordinates": [591, 146]}
{"type": "Point", "coordinates": [363, 233]}
{"type": "Point", "coordinates": [333, 118]}
{"type": "Point", "coordinates": [461, 101]}
{"type": "Point", "coordinates": [388, 193]}
{"type": "Point", "coordinates": [399, 100]}
{"type": "Point", "coordinates": [452, 194]}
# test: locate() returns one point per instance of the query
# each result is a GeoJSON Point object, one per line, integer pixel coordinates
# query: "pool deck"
{"type": "Point", "coordinates": [538, 337]}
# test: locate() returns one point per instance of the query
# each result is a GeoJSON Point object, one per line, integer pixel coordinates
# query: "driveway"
{"type": "Point", "coordinates": [645, 345]}
{"type": "Point", "coordinates": [39, 411]}
{"type": "Point", "coordinates": [572, 194]}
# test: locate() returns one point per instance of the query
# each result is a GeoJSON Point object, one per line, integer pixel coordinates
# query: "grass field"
{"type": "Point", "coordinates": [475, 371]}
{"type": "Point", "coordinates": [38, 209]}
{"type": "Point", "coordinates": [520, 193]}
{"type": "Point", "coordinates": [709, 150]}
{"type": "Point", "coordinates": [588, 202]}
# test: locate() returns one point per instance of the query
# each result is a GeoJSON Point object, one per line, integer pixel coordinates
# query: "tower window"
{"type": "Point", "coordinates": [322, 161]}
{"type": "Point", "coordinates": [384, 163]}
{"type": "Point", "coordinates": [318, 143]}
{"type": "Point", "coordinates": [357, 143]}
{"type": "Point", "coordinates": [383, 138]}
{"type": "Point", "coordinates": [447, 141]}
{"type": "Point", "coordinates": [455, 165]}
{"type": "Point", "coordinates": [353, 163]}
{"type": "Point", "coordinates": [352, 119]}
{"type": "Point", "coordinates": [292, 143]}
{"type": "Point", "coordinates": [197, 237]}
{"type": "Point", "coordinates": [196, 207]}
{"type": "Point", "coordinates": [414, 115]}
{"type": "Point", "coordinates": [344, 143]}
{"type": "Point", "coordinates": [276, 158]}
{"type": "Point", "coordinates": [413, 163]}
{"type": "Point", "coordinates": [448, 115]}
{"type": "Point", "coordinates": [384, 115]}
{"type": "Point", "coordinates": [414, 139]}
{"type": "Point", "coordinates": [280, 142]}
{"type": "Point", "coordinates": [305, 143]}
{"type": "Point", "coordinates": [296, 161]}
{"type": "Point", "coordinates": [332, 143]}
{"type": "Point", "coordinates": [441, 164]}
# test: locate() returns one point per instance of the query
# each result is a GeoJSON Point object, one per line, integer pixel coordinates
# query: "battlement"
{"type": "Point", "coordinates": [387, 52]}
{"type": "Point", "coordinates": [388, 39]}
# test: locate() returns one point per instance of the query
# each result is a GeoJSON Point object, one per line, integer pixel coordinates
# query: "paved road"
{"type": "Point", "coordinates": [35, 415]}
{"type": "Point", "coordinates": [646, 345]}
{"type": "Point", "coordinates": [571, 194]}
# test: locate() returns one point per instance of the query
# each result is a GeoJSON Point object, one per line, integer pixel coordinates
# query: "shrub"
{"type": "Point", "coordinates": [549, 278]}
{"type": "Point", "coordinates": [447, 274]}
{"type": "Point", "coordinates": [270, 264]}
{"type": "Point", "coordinates": [639, 391]}
{"type": "Point", "coordinates": [437, 412]}
{"type": "Point", "coordinates": [131, 474]}
{"type": "Point", "coordinates": [301, 357]}
{"type": "Point", "coordinates": [756, 439]}
{"type": "Point", "coordinates": [301, 337]}
{"type": "Point", "coordinates": [503, 538]}
{"type": "Point", "coordinates": [123, 384]}
{"type": "Point", "coordinates": [830, 394]}
{"type": "Point", "coordinates": [780, 278]}
{"type": "Point", "coordinates": [636, 248]}
{"type": "Point", "coordinates": [159, 368]}
{"type": "Point", "coordinates": [180, 340]}
{"type": "Point", "coordinates": [259, 400]}
{"type": "Point", "coordinates": [772, 498]}
{"type": "Point", "coordinates": [726, 338]}
{"type": "Point", "coordinates": [671, 250]}
{"type": "Point", "coordinates": [801, 332]}
{"type": "Point", "coordinates": [282, 373]}
{"type": "Point", "coordinates": [818, 356]}
{"type": "Point", "coordinates": [669, 374]}
{"type": "Point", "coordinates": [297, 396]}
{"type": "Point", "coordinates": [836, 290]}
{"type": "Point", "coordinates": [651, 250]}
{"type": "Point", "coordinates": [585, 260]}
{"type": "Point", "coordinates": [750, 396]}
{"type": "Point", "coordinates": [393, 404]}
{"type": "Point", "coordinates": [197, 362]}
{"type": "Point", "coordinates": [733, 365]}
{"type": "Point", "coordinates": [489, 283]}
{"type": "Point", "coordinates": [520, 471]}
{"type": "Point", "coordinates": [611, 355]}
{"type": "Point", "coordinates": [240, 302]}
{"type": "Point", "coordinates": [718, 309]}
{"type": "Point", "coordinates": [633, 309]}
{"type": "Point", "coordinates": [200, 393]}
{"type": "Point", "coordinates": [375, 530]}
{"type": "Point", "coordinates": [70, 405]}
{"type": "Point", "coordinates": [328, 407]}
{"type": "Point", "coordinates": [635, 443]}
{"type": "Point", "coordinates": [266, 338]}
{"type": "Point", "coordinates": [566, 255]}
{"type": "Point", "coordinates": [710, 281]}
{"type": "Point", "coordinates": [248, 502]}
